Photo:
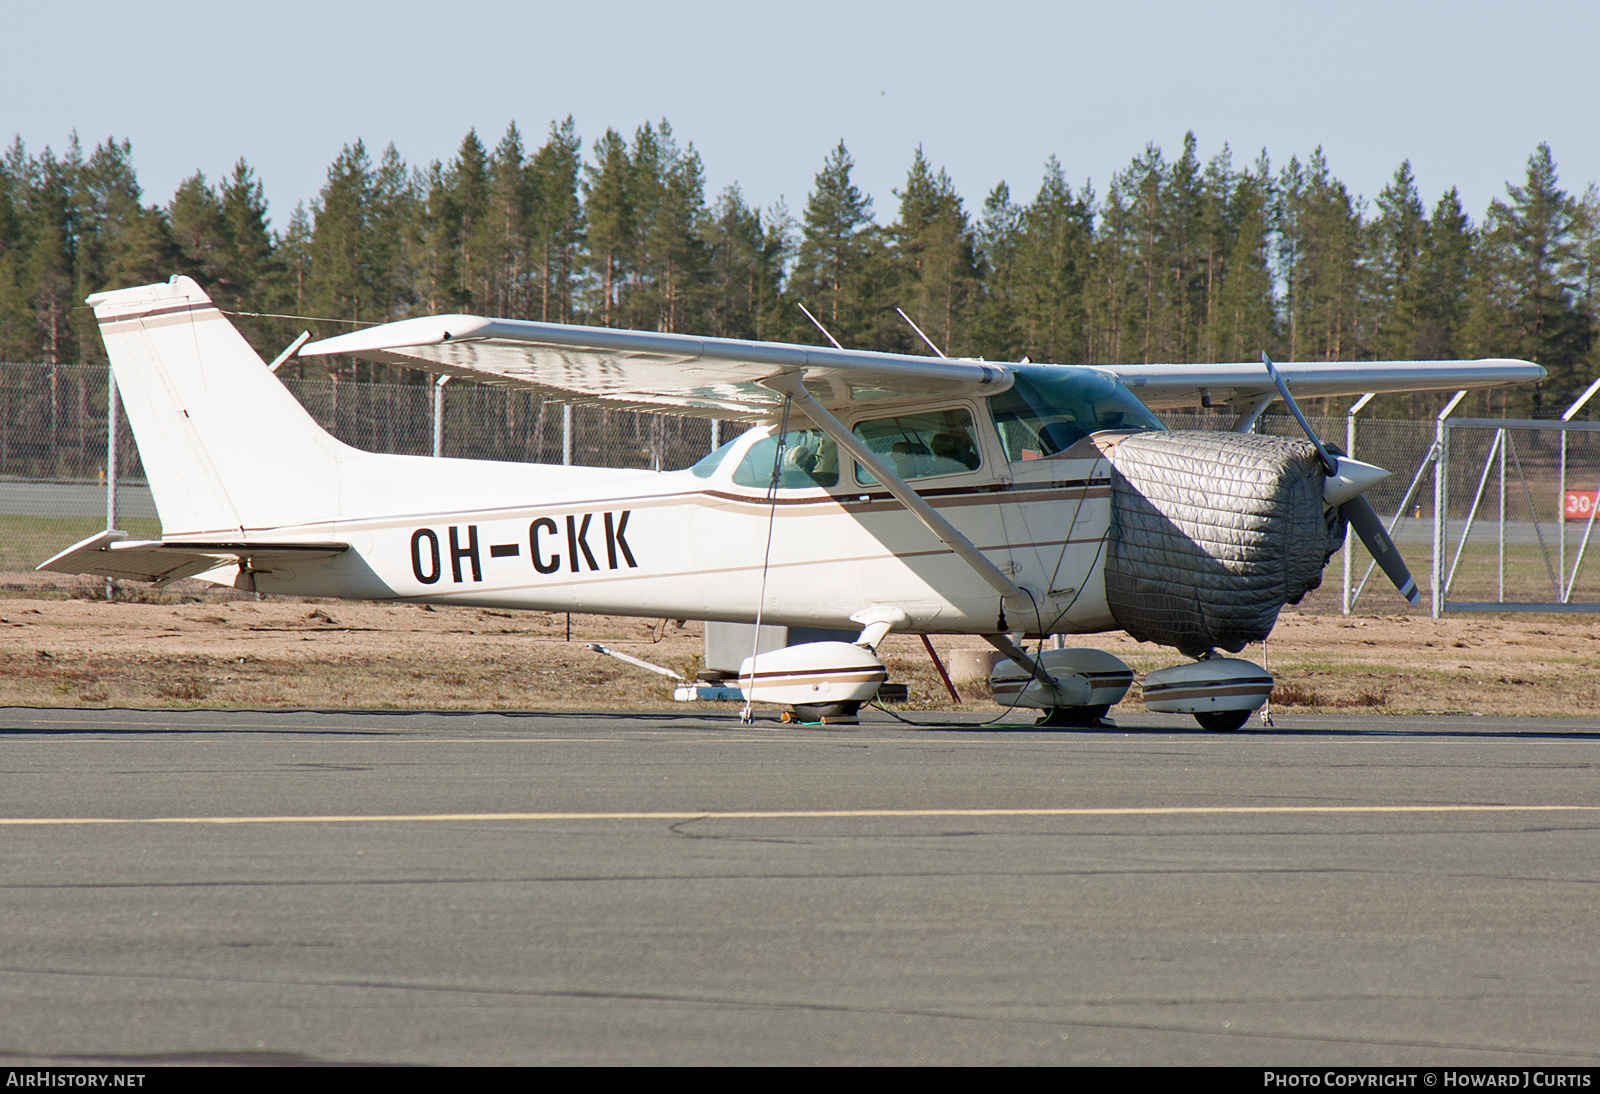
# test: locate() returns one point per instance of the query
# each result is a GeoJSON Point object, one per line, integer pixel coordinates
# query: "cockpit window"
{"type": "Point", "coordinates": [920, 446]}
{"type": "Point", "coordinates": [810, 459]}
{"type": "Point", "coordinates": [1049, 408]}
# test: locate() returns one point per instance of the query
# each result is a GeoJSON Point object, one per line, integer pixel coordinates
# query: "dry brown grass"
{"type": "Point", "coordinates": [189, 647]}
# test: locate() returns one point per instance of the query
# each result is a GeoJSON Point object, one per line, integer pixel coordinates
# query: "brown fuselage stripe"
{"type": "Point", "coordinates": [348, 525]}
{"type": "Point", "coordinates": [975, 495]}
{"type": "Point", "coordinates": [1163, 695]}
{"type": "Point", "coordinates": [185, 309]}
{"type": "Point", "coordinates": [830, 675]}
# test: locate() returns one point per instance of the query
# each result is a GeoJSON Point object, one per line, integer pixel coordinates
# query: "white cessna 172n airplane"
{"type": "Point", "coordinates": [878, 491]}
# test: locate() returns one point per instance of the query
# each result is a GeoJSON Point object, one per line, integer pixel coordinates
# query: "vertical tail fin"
{"type": "Point", "coordinates": [225, 447]}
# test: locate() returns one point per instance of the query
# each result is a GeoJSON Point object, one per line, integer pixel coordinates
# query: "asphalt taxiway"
{"type": "Point", "coordinates": [678, 888]}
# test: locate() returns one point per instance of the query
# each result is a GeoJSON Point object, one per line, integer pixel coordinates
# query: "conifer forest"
{"type": "Point", "coordinates": [1175, 260]}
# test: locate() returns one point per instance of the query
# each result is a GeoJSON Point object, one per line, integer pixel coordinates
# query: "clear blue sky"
{"type": "Point", "coordinates": [1464, 89]}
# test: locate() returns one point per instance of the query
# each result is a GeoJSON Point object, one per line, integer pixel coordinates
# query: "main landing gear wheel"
{"type": "Point", "coordinates": [1079, 717]}
{"type": "Point", "coordinates": [825, 712]}
{"type": "Point", "coordinates": [1221, 720]}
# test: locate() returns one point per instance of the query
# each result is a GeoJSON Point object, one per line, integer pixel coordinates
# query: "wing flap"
{"type": "Point", "coordinates": [112, 554]}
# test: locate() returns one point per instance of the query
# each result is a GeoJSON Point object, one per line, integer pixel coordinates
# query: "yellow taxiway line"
{"type": "Point", "coordinates": [807, 814]}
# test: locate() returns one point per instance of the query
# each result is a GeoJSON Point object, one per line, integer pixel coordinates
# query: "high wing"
{"type": "Point", "coordinates": [112, 554]}
{"type": "Point", "coordinates": [722, 377]}
{"type": "Point", "coordinates": [715, 377]}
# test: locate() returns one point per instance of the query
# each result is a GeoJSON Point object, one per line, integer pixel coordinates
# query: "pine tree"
{"type": "Point", "coordinates": [1214, 247]}
{"type": "Point", "coordinates": [1183, 252]}
{"type": "Point", "coordinates": [997, 328]}
{"type": "Point", "coordinates": [1038, 260]}
{"type": "Point", "coordinates": [393, 220]}
{"type": "Point", "coordinates": [744, 273]}
{"type": "Point", "coordinates": [253, 268]}
{"type": "Point", "coordinates": [42, 255]}
{"type": "Point", "coordinates": [1115, 290]}
{"type": "Point", "coordinates": [609, 215]}
{"type": "Point", "coordinates": [1587, 231]}
{"type": "Point", "coordinates": [1397, 259]}
{"type": "Point", "coordinates": [294, 251]}
{"type": "Point", "coordinates": [1319, 251]}
{"type": "Point", "coordinates": [1446, 273]}
{"type": "Point", "coordinates": [15, 318]}
{"type": "Point", "coordinates": [1142, 230]}
{"type": "Point", "coordinates": [556, 220]}
{"type": "Point", "coordinates": [467, 177]}
{"type": "Point", "coordinates": [936, 250]}
{"type": "Point", "coordinates": [1526, 304]}
{"type": "Point", "coordinates": [438, 240]}
{"type": "Point", "coordinates": [1244, 323]}
{"type": "Point", "coordinates": [839, 248]}
{"type": "Point", "coordinates": [120, 242]}
{"type": "Point", "coordinates": [201, 237]}
{"type": "Point", "coordinates": [504, 244]}
{"type": "Point", "coordinates": [673, 259]}
{"type": "Point", "coordinates": [339, 239]}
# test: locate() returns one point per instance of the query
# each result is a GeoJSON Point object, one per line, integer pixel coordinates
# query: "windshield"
{"type": "Point", "coordinates": [1049, 408]}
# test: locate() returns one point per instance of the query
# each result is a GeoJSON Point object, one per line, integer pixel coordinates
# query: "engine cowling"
{"type": "Point", "coordinates": [1212, 534]}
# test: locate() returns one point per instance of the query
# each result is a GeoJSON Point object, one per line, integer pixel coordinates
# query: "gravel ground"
{"type": "Point", "coordinates": [64, 645]}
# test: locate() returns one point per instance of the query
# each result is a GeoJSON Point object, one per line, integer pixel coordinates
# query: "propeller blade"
{"type": "Point", "coordinates": [1328, 463]}
{"type": "Point", "coordinates": [1355, 476]}
{"type": "Point", "coordinates": [1364, 520]}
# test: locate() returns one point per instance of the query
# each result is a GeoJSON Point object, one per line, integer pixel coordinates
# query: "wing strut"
{"type": "Point", "coordinates": [788, 383]}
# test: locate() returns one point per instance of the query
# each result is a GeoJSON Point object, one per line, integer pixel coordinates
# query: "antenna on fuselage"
{"type": "Point", "coordinates": [922, 336]}
{"type": "Point", "coordinates": [818, 323]}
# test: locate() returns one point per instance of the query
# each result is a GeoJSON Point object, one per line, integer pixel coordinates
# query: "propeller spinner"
{"type": "Point", "coordinates": [1346, 479]}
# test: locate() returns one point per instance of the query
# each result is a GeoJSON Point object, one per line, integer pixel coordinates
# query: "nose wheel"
{"type": "Point", "coordinates": [1221, 721]}
{"type": "Point", "coordinates": [837, 714]}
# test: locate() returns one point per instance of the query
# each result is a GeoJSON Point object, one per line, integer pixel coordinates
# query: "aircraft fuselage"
{"type": "Point", "coordinates": [691, 544]}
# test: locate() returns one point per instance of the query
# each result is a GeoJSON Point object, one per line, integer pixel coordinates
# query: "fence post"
{"type": "Point", "coordinates": [1561, 523]}
{"type": "Point", "coordinates": [566, 433]}
{"type": "Point", "coordinates": [438, 415]}
{"type": "Point", "coordinates": [111, 462]}
{"type": "Point", "coordinates": [1349, 450]}
{"type": "Point", "coordinates": [1500, 542]}
{"type": "Point", "coordinates": [1441, 500]}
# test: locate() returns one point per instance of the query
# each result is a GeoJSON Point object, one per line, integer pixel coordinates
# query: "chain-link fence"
{"type": "Point", "coordinates": [1508, 524]}
{"type": "Point", "coordinates": [1519, 525]}
{"type": "Point", "coordinates": [53, 470]}
{"type": "Point", "coordinates": [53, 443]}
{"type": "Point", "coordinates": [53, 463]}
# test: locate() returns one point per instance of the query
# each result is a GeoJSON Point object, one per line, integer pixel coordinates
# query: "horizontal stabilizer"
{"type": "Point", "coordinates": [113, 554]}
